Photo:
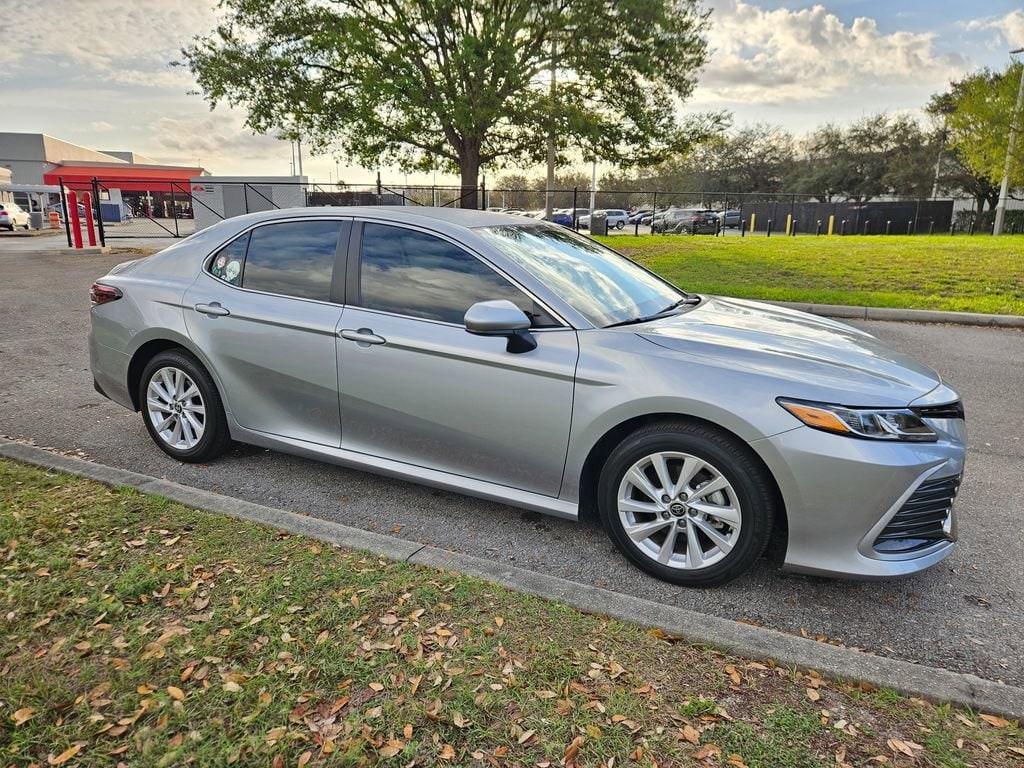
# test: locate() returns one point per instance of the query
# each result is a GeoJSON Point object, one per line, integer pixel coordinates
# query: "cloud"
{"type": "Point", "coordinates": [1008, 29]}
{"type": "Point", "coordinates": [106, 41]}
{"type": "Point", "coordinates": [102, 126]}
{"type": "Point", "coordinates": [773, 56]}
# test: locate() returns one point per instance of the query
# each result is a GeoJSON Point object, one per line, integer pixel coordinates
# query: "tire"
{"type": "Point", "coordinates": [748, 496]}
{"type": "Point", "coordinates": [191, 445]}
{"type": "Point", "coordinates": [620, 224]}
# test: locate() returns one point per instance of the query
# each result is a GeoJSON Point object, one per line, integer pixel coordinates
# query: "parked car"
{"type": "Point", "coordinates": [517, 361]}
{"type": "Point", "coordinates": [637, 216]}
{"type": "Point", "coordinates": [558, 217]}
{"type": "Point", "coordinates": [687, 221]}
{"type": "Point", "coordinates": [730, 219]}
{"type": "Point", "coordinates": [13, 215]}
{"type": "Point", "coordinates": [616, 218]}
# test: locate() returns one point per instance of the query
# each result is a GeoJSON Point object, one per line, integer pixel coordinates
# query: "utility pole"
{"type": "Point", "coordinates": [1004, 189]}
{"type": "Point", "coordinates": [938, 160]}
{"type": "Point", "coordinates": [298, 144]}
{"type": "Point", "coordinates": [593, 186]}
{"type": "Point", "coordinates": [551, 133]}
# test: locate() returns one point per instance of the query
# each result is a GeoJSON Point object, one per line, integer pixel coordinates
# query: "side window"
{"type": "Point", "coordinates": [416, 274]}
{"type": "Point", "coordinates": [227, 264]}
{"type": "Point", "coordinates": [295, 258]}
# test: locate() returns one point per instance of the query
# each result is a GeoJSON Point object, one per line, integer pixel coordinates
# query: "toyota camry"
{"type": "Point", "coordinates": [514, 360]}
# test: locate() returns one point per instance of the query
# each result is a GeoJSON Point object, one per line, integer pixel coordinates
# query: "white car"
{"type": "Point", "coordinates": [13, 215]}
{"type": "Point", "coordinates": [617, 218]}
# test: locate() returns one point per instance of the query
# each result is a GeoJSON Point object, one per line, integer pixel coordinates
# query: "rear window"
{"type": "Point", "coordinates": [293, 259]}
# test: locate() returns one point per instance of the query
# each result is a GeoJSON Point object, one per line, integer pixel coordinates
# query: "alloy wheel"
{"type": "Point", "coordinates": [679, 510]}
{"type": "Point", "coordinates": [176, 409]}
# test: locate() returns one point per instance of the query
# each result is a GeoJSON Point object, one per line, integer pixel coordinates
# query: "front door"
{"type": "Point", "coordinates": [262, 311]}
{"type": "Point", "coordinates": [416, 387]}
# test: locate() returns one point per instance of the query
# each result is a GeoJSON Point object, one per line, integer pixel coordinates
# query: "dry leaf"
{"type": "Point", "coordinates": [67, 754]}
{"type": "Point", "coordinates": [304, 758]}
{"type": "Point", "coordinates": [378, 687]}
{"type": "Point", "coordinates": [691, 734]}
{"type": "Point", "coordinates": [500, 621]}
{"type": "Point", "coordinates": [23, 715]}
{"type": "Point", "coordinates": [996, 722]}
{"type": "Point", "coordinates": [447, 752]}
{"type": "Point", "coordinates": [708, 750]}
{"type": "Point", "coordinates": [813, 694]}
{"type": "Point", "coordinates": [573, 749]}
{"type": "Point", "coordinates": [392, 748]}
{"type": "Point", "coordinates": [175, 693]}
{"type": "Point", "coordinates": [525, 736]}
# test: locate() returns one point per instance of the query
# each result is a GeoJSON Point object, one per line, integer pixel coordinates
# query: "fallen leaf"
{"type": "Point", "coordinates": [67, 754]}
{"type": "Point", "coordinates": [708, 750]}
{"type": "Point", "coordinates": [23, 715]}
{"type": "Point", "coordinates": [447, 752]}
{"type": "Point", "coordinates": [525, 736]}
{"type": "Point", "coordinates": [499, 621]}
{"type": "Point", "coordinates": [304, 758]}
{"type": "Point", "coordinates": [813, 694]}
{"type": "Point", "coordinates": [996, 722]}
{"type": "Point", "coordinates": [573, 749]}
{"type": "Point", "coordinates": [175, 693]}
{"type": "Point", "coordinates": [378, 687]}
{"type": "Point", "coordinates": [392, 748]}
{"type": "Point", "coordinates": [691, 734]}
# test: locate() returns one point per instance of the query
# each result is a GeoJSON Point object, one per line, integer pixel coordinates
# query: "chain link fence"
{"type": "Point", "coordinates": [161, 208]}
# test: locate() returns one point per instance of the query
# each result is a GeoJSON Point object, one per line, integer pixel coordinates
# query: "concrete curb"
{"type": "Point", "coordinates": [848, 312]}
{"type": "Point", "coordinates": [939, 685]}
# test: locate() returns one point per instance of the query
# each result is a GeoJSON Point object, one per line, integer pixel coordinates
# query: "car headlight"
{"type": "Point", "coordinates": [870, 423]}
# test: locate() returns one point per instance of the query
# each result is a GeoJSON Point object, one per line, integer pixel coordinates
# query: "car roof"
{"type": "Point", "coordinates": [410, 214]}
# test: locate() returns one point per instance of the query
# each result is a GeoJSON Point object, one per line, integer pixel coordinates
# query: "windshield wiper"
{"type": "Point", "coordinates": [688, 300]}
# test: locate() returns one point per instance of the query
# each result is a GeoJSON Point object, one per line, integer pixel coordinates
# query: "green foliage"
{"type": "Point", "coordinates": [877, 155]}
{"type": "Point", "coordinates": [458, 83]}
{"type": "Point", "coordinates": [980, 112]}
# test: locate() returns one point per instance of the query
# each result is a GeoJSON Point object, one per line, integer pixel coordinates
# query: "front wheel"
{"type": "Point", "coordinates": [687, 503]}
{"type": "Point", "coordinates": [182, 408]}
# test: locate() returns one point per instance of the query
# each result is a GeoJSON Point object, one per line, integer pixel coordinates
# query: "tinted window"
{"type": "Point", "coordinates": [294, 259]}
{"type": "Point", "coordinates": [600, 284]}
{"type": "Point", "coordinates": [227, 264]}
{"type": "Point", "coordinates": [412, 273]}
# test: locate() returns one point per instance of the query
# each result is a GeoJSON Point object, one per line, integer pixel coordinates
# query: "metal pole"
{"type": "Point", "coordinates": [549, 186]}
{"type": "Point", "coordinates": [99, 210]}
{"type": "Point", "coordinates": [593, 187]}
{"type": "Point", "coordinates": [64, 206]}
{"type": "Point", "coordinates": [174, 212]}
{"type": "Point", "coordinates": [1011, 146]}
{"type": "Point", "coordinates": [298, 147]}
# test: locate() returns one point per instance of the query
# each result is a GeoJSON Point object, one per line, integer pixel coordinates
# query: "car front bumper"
{"type": "Point", "coordinates": [841, 493]}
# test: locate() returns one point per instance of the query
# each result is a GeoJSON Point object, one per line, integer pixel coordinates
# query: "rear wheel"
{"type": "Point", "coordinates": [182, 408]}
{"type": "Point", "coordinates": [687, 503]}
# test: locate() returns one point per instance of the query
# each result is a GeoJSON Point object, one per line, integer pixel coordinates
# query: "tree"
{"type": "Point", "coordinates": [877, 155]}
{"type": "Point", "coordinates": [458, 83]}
{"type": "Point", "coordinates": [977, 112]}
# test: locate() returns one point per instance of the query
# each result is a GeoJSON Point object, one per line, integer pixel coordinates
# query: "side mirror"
{"type": "Point", "coordinates": [501, 318]}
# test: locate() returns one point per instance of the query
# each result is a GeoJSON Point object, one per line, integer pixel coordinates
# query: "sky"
{"type": "Point", "coordinates": [96, 72]}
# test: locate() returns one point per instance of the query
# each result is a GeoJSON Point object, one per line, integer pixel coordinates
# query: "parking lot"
{"type": "Point", "coordinates": [964, 614]}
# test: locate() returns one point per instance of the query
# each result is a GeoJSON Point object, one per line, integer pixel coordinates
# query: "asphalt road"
{"type": "Point", "coordinates": [965, 614]}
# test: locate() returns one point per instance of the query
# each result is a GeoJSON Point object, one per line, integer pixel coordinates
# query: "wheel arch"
{"type": "Point", "coordinates": [603, 447]}
{"type": "Point", "coordinates": [153, 346]}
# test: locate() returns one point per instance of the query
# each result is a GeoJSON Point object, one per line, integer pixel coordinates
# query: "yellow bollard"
{"type": "Point", "coordinates": [831, 223]}
{"type": "Point", "coordinates": [789, 224]}
{"type": "Point", "coordinates": [753, 220]}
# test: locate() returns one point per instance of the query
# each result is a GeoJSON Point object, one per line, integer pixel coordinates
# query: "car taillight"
{"type": "Point", "coordinates": [103, 294]}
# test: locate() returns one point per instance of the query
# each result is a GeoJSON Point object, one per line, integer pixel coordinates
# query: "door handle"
{"type": "Point", "coordinates": [213, 310]}
{"type": "Point", "coordinates": [363, 336]}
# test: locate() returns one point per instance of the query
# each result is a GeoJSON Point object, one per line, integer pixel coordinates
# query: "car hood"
{"type": "Point", "coordinates": [822, 359]}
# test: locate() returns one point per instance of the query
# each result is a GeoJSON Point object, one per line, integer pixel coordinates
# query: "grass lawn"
{"type": "Point", "coordinates": [970, 274]}
{"type": "Point", "coordinates": [139, 631]}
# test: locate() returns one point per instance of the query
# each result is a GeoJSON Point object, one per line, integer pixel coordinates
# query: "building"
{"type": "Point", "coordinates": [145, 187]}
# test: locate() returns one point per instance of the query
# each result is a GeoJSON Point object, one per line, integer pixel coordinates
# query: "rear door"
{"type": "Point", "coordinates": [265, 310]}
{"type": "Point", "coordinates": [417, 387]}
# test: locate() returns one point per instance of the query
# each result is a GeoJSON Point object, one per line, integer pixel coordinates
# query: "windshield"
{"type": "Point", "coordinates": [601, 285]}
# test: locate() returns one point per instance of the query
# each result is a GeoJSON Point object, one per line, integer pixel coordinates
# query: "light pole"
{"type": "Point", "coordinates": [1004, 188]}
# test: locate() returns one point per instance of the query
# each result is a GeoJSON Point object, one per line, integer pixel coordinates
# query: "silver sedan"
{"type": "Point", "coordinates": [517, 361]}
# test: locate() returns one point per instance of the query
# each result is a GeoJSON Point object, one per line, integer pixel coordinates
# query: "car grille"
{"type": "Point", "coordinates": [923, 520]}
{"type": "Point", "coordinates": [947, 411]}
